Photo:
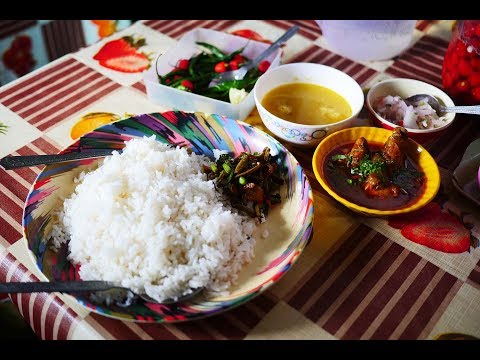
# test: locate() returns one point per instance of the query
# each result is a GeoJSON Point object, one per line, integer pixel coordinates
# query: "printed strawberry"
{"type": "Point", "coordinates": [114, 48]}
{"type": "Point", "coordinates": [435, 229]}
{"type": "Point", "coordinates": [443, 234]}
{"type": "Point", "coordinates": [130, 63]}
{"type": "Point", "coordinates": [400, 221]}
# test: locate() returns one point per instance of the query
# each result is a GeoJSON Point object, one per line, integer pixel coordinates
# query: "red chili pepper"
{"type": "Point", "coordinates": [263, 66]}
{"type": "Point", "coordinates": [475, 63]}
{"type": "Point", "coordinates": [454, 59]}
{"type": "Point", "coordinates": [468, 30]}
{"type": "Point", "coordinates": [474, 79]}
{"type": "Point", "coordinates": [474, 44]}
{"type": "Point", "coordinates": [188, 84]}
{"type": "Point", "coordinates": [239, 58]}
{"type": "Point", "coordinates": [464, 68]}
{"type": "Point", "coordinates": [220, 67]}
{"type": "Point", "coordinates": [463, 86]}
{"type": "Point", "coordinates": [461, 49]}
{"type": "Point", "coordinates": [183, 64]}
{"type": "Point", "coordinates": [233, 65]}
{"type": "Point", "coordinates": [447, 79]}
{"type": "Point", "coordinates": [476, 94]}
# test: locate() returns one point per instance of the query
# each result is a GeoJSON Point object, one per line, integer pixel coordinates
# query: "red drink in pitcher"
{"type": "Point", "coordinates": [461, 65]}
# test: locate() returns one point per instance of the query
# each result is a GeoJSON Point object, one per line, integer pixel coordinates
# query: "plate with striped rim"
{"type": "Point", "coordinates": [289, 223]}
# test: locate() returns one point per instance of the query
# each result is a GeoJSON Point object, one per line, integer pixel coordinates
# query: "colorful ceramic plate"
{"type": "Point", "coordinates": [289, 224]}
{"type": "Point", "coordinates": [424, 160]}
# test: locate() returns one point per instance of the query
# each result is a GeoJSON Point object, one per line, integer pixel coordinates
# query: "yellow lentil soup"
{"type": "Point", "coordinates": [307, 104]}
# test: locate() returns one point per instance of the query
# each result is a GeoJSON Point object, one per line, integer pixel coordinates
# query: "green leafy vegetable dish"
{"type": "Point", "coordinates": [250, 181]}
{"type": "Point", "coordinates": [195, 74]}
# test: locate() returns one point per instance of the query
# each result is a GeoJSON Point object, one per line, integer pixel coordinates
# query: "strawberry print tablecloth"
{"type": "Point", "coordinates": [359, 278]}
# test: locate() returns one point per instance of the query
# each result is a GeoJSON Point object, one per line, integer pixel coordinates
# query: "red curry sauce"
{"type": "Point", "coordinates": [407, 179]}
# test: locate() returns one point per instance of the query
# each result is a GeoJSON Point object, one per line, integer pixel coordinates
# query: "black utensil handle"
{"type": "Point", "coordinates": [14, 162]}
{"type": "Point", "coordinates": [55, 286]}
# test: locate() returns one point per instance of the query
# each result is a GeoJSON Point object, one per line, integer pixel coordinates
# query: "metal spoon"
{"type": "Point", "coordinates": [439, 108]}
{"type": "Point", "coordinates": [102, 291]}
{"type": "Point", "coordinates": [240, 73]}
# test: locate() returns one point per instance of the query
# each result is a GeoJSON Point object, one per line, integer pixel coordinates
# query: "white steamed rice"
{"type": "Point", "coordinates": [148, 219]}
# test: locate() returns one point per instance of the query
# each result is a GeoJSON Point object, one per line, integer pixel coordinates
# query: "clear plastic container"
{"type": "Point", "coordinates": [366, 40]}
{"type": "Point", "coordinates": [175, 99]}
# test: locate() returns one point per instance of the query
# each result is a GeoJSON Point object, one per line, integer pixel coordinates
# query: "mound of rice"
{"type": "Point", "coordinates": [148, 219]}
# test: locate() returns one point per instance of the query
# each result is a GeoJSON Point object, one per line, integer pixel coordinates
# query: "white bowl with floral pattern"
{"type": "Point", "coordinates": [326, 76]}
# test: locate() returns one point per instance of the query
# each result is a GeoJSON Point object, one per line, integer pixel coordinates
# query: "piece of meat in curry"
{"type": "Point", "coordinates": [374, 171]}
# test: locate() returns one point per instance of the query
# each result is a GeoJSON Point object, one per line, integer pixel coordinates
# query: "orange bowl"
{"type": "Point", "coordinates": [425, 162]}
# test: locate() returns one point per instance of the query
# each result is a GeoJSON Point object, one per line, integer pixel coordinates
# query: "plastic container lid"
{"type": "Point", "coordinates": [366, 40]}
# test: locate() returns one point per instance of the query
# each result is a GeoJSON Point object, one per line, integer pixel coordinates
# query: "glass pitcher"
{"type": "Point", "coordinates": [461, 64]}
{"type": "Point", "coordinates": [367, 40]}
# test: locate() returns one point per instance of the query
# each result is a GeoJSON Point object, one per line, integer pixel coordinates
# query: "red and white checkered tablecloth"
{"type": "Point", "coordinates": [359, 278]}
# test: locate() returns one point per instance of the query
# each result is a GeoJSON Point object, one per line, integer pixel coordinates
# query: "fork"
{"type": "Point", "coordinates": [240, 73]}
